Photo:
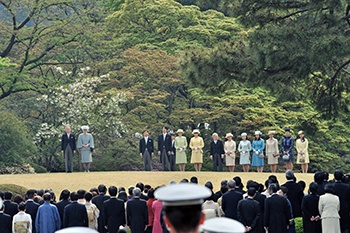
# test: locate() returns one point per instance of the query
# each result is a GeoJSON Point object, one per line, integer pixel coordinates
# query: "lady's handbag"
{"type": "Point", "coordinates": [261, 155]}
{"type": "Point", "coordinates": [286, 157]}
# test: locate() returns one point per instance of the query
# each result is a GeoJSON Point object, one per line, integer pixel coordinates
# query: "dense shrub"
{"type": "Point", "coordinates": [299, 225]}
{"type": "Point", "coordinates": [15, 189]}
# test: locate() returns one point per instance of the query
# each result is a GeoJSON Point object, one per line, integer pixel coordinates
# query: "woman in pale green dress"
{"type": "Point", "coordinates": [86, 145]}
{"type": "Point", "coordinates": [181, 146]}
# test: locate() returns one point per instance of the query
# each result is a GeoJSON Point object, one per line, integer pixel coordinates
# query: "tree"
{"type": "Point", "coordinates": [5, 62]}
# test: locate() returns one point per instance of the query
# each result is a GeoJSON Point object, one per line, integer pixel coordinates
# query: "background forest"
{"type": "Point", "coordinates": [122, 66]}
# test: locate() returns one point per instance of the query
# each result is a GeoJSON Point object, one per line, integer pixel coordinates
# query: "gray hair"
{"type": "Point", "coordinates": [136, 192]}
{"type": "Point", "coordinates": [214, 134]}
{"type": "Point", "coordinates": [67, 127]}
{"type": "Point", "coordinates": [289, 174]}
{"type": "Point", "coordinates": [231, 184]}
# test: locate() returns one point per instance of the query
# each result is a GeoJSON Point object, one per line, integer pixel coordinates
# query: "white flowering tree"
{"type": "Point", "coordinates": [75, 105]}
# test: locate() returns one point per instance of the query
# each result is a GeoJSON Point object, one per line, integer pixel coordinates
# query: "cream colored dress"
{"type": "Point", "coordinates": [302, 147]}
{"type": "Point", "coordinates": [230, 146]}
{"type": "Point", "coordinates": [271, 149]}
{"type": "Point", "coordinates": [197, 156]}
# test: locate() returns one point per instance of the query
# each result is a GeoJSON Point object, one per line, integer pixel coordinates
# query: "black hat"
{"type": "Point", "coordinates": [287, 129]}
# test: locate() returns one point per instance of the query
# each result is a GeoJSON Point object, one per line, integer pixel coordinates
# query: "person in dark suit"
{"type": "Point", "coordinates": [309, 207]}
{"type": "Point", "coordinates": [164, 148]}
{"type": "Point", "coordinates": [261, 199]}
{"type": "Point", "coordinates": [5, 220]}
{"type": "Point", "coordinates": [141, 186]}
{"type": "Point", "coordinates": [146, 151]}
{"type": "Point", "coordinates": [343, 192]}
{"type": "Point", "coordinates": [295, 193]}
{"type": "Point", "coordinates": [75, 214]}
{"type": "Point", "coordinates": [172, 157]}
{"type": "Point", "coordinates": [230, 200]}
{"type": "Point", "coordinates": [11, 208]}
{"type": "Point", "coordinates": [137, 213]}
{"type": "Point", "coordinates": [98, 201]}
{"type": "Point", "coordinates": [276, 214]}
{"type": "Point", "coordinates": [114, 211]}
{"type": "Point", "coordinates": [248, 212]}
{"type": "Point", "coordinates": [217, 152]}
{"type": "Point", "coordinates": [68, 148]}
{"type": "Point", "coordinates": [63, 203]}
{"type": "Point", "coordinates": [31, 207]}
{"type": "Point", "coordinates": [218, 194]}
{"type": "Point", "coordinates": [319, 179]}
{"type": "Point", "coordinates": [239, 185]}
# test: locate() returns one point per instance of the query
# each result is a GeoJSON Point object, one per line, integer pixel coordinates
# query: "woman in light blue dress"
{"type": "Point", "coordinates": [86, 145]}
{"type": "Point", "coordinates": [258, 152]}
{"type": "Point", "coordinates": [244, 148]}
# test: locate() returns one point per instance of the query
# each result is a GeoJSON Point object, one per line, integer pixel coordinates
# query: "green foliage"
{"type": "Point", "coordinates": [299, 225]}
{"type": "Point", "coordinates": [115, 5]}
{"type": "Point", "coordinates": [5, 62]}
{"type": "Point", "coordinates": [15, 189]}
{"type": "Point", "coordinates": [38, 168]}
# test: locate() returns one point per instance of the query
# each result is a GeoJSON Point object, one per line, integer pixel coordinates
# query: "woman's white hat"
{"type": "Point", "coordinates": [244, 134]}
{"type": "Point", "coordinates": [85, 127]}
{"type": "Point", "coordinates": [195, 131]}
{"type": "Point", "coordinates": [257, 133]}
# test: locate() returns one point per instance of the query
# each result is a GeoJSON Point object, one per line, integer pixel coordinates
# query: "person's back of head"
{"type": "Point", "coordinates": [231, 184]}
{"type": "Point", "coordinates": [47, 197]}
{"type": "Point", "coordinates": [130, 189]}
{"type": "Point", "coordinates": [302, 184]}
{"type": "Point", "coordinates": [346, 179]}
{"type": "Point", "coordinates": [22, 206]}
{"type": "Point", "coordinates": [184, 181]}
{"type": "Point", "coordinates": [289, 175]}
{"type": "Point", "coordinates": [102, 188]}
{"type": "Point", "coordinates": [150, 193]}
{"type": "Point", "coordinates": [121, 189]}
{"type": "Point", "coordinates": [313, 187]}
{"type": "Point", "coordinates": [88, 196]}
{"type": "Point", "coordinates": [74, 196]}
{"type": "Point", "coordinates": [8, 195]}
{"type": "Point", "coordinates": [325, 175]}
{"type": "Point", "coordinates": [65, 194]}
{"type": "Point", "coordinates": [273, 178]}
{"type": "Point", "coordinates": [329, 188]}
{"type": "Point", "coordinates": [251, 192]}
{"type": "Point", "coordinates": [194, 180]}
{"type": "Point", "coordinates": [53, 197]}
{"type": "Point", "coordinates": [223, 183]}
{"type": "Point", "coordinates": [284, 190]}
{"type": "Point", "coordinates": [223, 189]}
{"type": "Point", "coordinates": [113, 191]}
{"type": "Point", "coordinates": [272, 188]}
{"type": "Point", "coordinates": [209, 185]}
{"type": "Point", "coordinates": [319, 177]}
{"type": "Point", "coordinates": [338, 175]}
{"type": "Point", "coordinates": [81, 193]}
{"type": "Point", "coordinates": [48, 190]}
{"type": "Point", "coordinates": [40, 192]}
{"type": "Point", "coordinates": [254, 185]}
{"type": "Point", "coordinates": [136, 192]}
{"type": "Point", "coordinates": [261, 188]}
{"type": "Point", "coordinates": [238, 181]}
{"type": "Point", "coordinates": [94, 190]}
{"type": "Point", "coordinates": [147, 187]}
{"type": "Point", "coordinates": [18, 199]}
{"type": "Point", "coordinates": [140, 186]}
{"type": "Point", "coordinates": [2, 195]}
{"type": "Point", "coordinates": [30, 193]}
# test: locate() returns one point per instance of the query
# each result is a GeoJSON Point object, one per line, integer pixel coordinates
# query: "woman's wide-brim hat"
{"type": "Point", "coordinates": [85, 127]}
{"type": "Point", "coordinates": [287, 130]}
{"type": "Point", "coordinates": [300, 132]}
{"type": "Point", "coordinates": [272, 132]}
{"type": "Point", "coordinates": [180, 131]}
{"type": "Point", "coordinates": [244, 134]}
{"type": "Point", "coordinates": [195, 131]}
{"type": "Point", "coordinates": [229, 135]}
{"type": "Point", "coordinates": [257, 133]}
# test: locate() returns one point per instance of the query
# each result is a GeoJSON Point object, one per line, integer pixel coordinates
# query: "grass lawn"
{"type": "Point", "coordinates": [75, 181]}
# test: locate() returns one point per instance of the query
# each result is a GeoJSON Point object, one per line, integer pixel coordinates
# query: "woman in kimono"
{"type": "Point", "coordinates": [244, 148]}
{"type": "Point", "coordinates": [197, 145]}
{"type": "Point", "coordinates": [86, 144]}
{"type": "Point", "coordinates": [181, 146]}
{"type": "Point", "coordinates": [303, 155]}
{"type": "Point", "coordinates": [230, 152]}
{"type": "Point", "coordinates": [272, 151]}
{"type": "Point", "coordinates": [258, 152]}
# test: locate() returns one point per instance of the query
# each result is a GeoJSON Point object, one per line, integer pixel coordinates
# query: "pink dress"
{"type": "Point", "coordinates": [157, 208]}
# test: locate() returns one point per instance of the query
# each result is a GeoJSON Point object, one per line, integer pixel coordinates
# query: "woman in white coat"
{"type": "Point", "coordinates": [230, 152]}
{"type": "Point", "coordinates": [329, 206]}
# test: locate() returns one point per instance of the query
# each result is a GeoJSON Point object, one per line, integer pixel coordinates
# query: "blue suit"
{"type": "Point", "coordinates": [47, 219]}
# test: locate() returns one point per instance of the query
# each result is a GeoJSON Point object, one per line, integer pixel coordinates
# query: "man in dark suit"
{"type": "Point", "coordinates": [11, 208]}
{"type": "Point", "coordinates": [295, 193]}
{"type": "Point", "coordinates": [146, 151]}
{"type": "Point", "coordinates": [218, 194]}
{"type": "Point", "coordinates": [261, 199]}
{"type": "Point", "coordinates": [343, 192]}
{"type": "Point", "coordinates": [114, 211]}
{"type": "Point", "coordinates": [68, 148]}
{"type": "Point", "coordinates": [276, 215]}
{"type": "Point", "coordinates": [75, 214]}
{"type": "Point", "coordinates": [309, 207]}
{"type": "Point", "coordinates": [239, 185]}
{"type": "Point", "coordinates": [5, 220]}
{"type": "Point", "coordinates": [137, 213]}
{"type": "Point", "coordinates": [63, 203]}
{"type": "Point", "coordinates": [230, 200]}
{"type": "Point", "coordinates": [31, 207]}
{"type": "Point", "coordinates": [98, 201]}
{"type": "Point", "coordinates": [248, 212]}
{"type": "Point", "coordinates": [217, 152]}
{"type": "Point", "coordinates": [164, 148]}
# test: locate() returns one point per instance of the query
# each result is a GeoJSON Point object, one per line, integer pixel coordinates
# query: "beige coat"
{"type": "Point", "coordinates": [302, 147]}
{"type": "Point", "coordinates": [230, 146]}
{"type": "Point", "coordinates": [329, 206]}
{"type": "Point", "coordinates": [272, 149]}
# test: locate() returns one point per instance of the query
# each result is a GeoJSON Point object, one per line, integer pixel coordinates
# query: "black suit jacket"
{"type": "Point", "coordinates": [98, 201]}
{"type": "Point", "coordinates": [217, 195]}
{"type": "Point", "coordinates": [276, 215]}
{"type": "Point", "coordinates": [173, 149]}
{"type": "Point", "coordinates": [343, 192]}
{"type": "Point", "coordinates": [217, 148]}
{"type": "Point", "coordinates": [261, 199]}
{"type": "Point", "coordinates": [295, 196]}
{"type": "Point", "coordinates": [230, 202]}
{"type": "Point", "coordinates": [32, 209]}
{"type": "Point", "coordinates": [114, 212]}
{"type": "Point", "coordinates": [5, 223]}
{"type": "Point", "coordinates": [65, 141]}
{"type": "Point", "coordinates": [149, 146]}
{"type": "Point", "coordinates": [164, 143]}
{"type": "Point", "coordinates": [320, 190]}
{"type": "Point", "coordinates": [75, 215]}
{"type": "Point", "coordinates": [137, 215]}
{"type": "Point", "coordinates": [309, 207]}
{"type": "Point", "coordinates": [60, 207]}
{"type": "Point", "coordinates": [11, 208]}
{"type": "Point", "coordinates": [248, 212]}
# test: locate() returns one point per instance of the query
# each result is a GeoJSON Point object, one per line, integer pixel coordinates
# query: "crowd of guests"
{"type": "Point", "coordinates": [260, 208]}
{"type": "Point", "coordinates": [172, 151]}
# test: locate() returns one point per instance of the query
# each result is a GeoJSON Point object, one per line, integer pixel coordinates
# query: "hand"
{"type": "Point", "coordinates": [284, 152]}
{"type": "Point", "coordinates": [266, 228]}
{"type": "Point", "coordinates": [74, 151]}
{"type": "Point", "coordinates": [145, 228]}
{"type": "Point", "coordinates": [106, 227]}
{"type": "Point", "coordinates": [159, 153]}
{"type": "Point", "coordinates": [312, 218]}
{"type": "Point", "coordinates": [317, 218]}
{"type": "Point", "coordinates": [211, 157]}
{"type": "Point", "coordinates": [169, 152]}
{"type": "Point", "coordinates": [141, 155]}
{"type": "Point", "coordinates": [152, 154]}
{"type": "Point", "coordinates": [287, 226]}
{"type": "Point", "coordinates": [222, 156]}
{"type": "Point", "coordinates": [228, 153]}
{"type": "Point", "coordinates": [62, 152]}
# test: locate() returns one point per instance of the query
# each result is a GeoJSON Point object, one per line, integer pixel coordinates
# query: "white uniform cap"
{"type": "Point", "coordinates": [222, 225]}
{"type": "Point", "coordinates": [182, 194]}
{"type": "Point", "coordinates": [77, 230]}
